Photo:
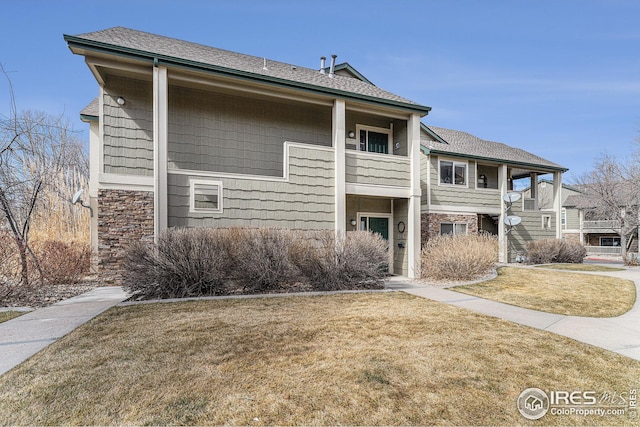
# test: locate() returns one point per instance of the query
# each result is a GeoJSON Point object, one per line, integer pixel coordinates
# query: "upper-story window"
{"type": "Point", "coordinates": [373, 139]}
{"type": "Point", "coordinates": [454, 173]}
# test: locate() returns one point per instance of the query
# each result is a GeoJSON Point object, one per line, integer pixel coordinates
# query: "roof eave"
{"type": "Point", "coordinates": [87, 118]}
{"type": "Point", "coordinates": [493, 159]}
{"type": "Point", "coordinates": [80, 43]}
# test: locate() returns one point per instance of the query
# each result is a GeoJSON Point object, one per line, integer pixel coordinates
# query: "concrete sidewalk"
{"type": "Point", "coordinates": [24, 336]}
{"type": "Point", "coordinates": [619, 334]}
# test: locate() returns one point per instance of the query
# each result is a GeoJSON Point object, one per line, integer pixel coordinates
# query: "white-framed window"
{"type": "Point", "coordinates": [546, 222]}
{"type": "Point", "coordinates": [564, 218]}
{"type": "Point", "coordinates": [610, 241]}
{"type": "Point", "coordinates": [452, 172]}
{"type": "Point", "coordinates": [455, 228]}
{"type": "Point", "coordinates": [205, 196]}
{"type": "Point", "coordinates": [487, 176]}
{"type": "Point", "coordinates": [374, 139]}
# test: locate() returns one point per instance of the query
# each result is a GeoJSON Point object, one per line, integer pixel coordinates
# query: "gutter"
{"type": "Point", "coordinates": [89, 118]}
{"type": "Point", "coordinates": [77, 42]}
{"type": "Point", "coordinates": [427, 151]}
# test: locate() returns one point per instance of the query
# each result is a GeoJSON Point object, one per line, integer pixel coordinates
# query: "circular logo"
{"type": "Point", "coordinates": [533, 403]}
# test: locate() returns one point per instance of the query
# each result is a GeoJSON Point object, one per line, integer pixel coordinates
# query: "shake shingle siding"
{"type": "Point", "coordinates": [454, 195]}
{"type": "Point", "coordinates": [529, 229]}
{"type": "Point", "coordinates": [365, 168]}
{"type": "Point", "coordinates": [306, 201]}
{"type": "Point", "coordinates": [216, 132]}
{"type": "Point", "coordinates": [128, 129]}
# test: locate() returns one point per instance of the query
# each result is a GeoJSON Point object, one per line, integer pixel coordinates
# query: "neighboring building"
{"type": "Point", "coordinates": [185, 135]}
{"type": "Point", "coordinates": [599, 234]}
{"type": "Point", "coordinates": [581, 222]}
{"type": "Point", "coordinates": [570, 215]}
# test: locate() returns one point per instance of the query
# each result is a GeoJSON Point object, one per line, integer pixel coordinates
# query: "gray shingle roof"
{"type": "Point", "coordinates": [465, 144]}
{"type": "Point", "coordinates": [93, 109]}
{"type": "Point", "coordinates": [125, 40]}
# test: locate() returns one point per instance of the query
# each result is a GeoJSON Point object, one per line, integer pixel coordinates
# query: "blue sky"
{"type": "Point", "coordinates": [559, 78]}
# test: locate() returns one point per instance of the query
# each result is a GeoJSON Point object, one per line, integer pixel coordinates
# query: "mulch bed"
{"type": "Point", "coordinates": [36, 296]}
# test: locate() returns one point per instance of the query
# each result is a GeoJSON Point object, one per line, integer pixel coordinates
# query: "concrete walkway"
{"type": "Point", "coordinates": [619, 334]}
{"type": "Point", "coordinates": [24, 336]}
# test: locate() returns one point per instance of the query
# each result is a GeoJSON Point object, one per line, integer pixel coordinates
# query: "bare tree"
{"type": "Point", "coordinates": [34, 148]}
{"type": "Point", "coordinates": [612, 192]}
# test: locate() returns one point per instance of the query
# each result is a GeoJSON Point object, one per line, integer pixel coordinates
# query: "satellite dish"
{"type": "Point", "coordinates": [511, 197]}
{"type": "Point", "coordinates": [76, 196]}
{"type": "Point", "coordinates": [512, 220]}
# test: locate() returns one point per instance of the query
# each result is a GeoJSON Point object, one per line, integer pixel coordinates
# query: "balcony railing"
{"type": "Point", "coordinates": [604, 250]}
{"type": "Point", "coordinates": [602, 224]}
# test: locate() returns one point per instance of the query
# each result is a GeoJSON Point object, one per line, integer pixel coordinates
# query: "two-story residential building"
{"type": "Point", "coordinates": [186, 135]}
{"type": "Point", "coordinates": [583, 222]}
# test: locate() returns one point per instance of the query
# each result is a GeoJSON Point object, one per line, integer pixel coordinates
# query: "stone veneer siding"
{"type": "Point", "coordinates": [124, 217]}
{"type": "Point", "coordinates": [430, 223]}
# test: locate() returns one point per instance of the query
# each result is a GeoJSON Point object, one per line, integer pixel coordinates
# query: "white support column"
{"type": "Point", "coordinates": [557, 202]}
{"type": "Point", "coordinates": [581, 216]}
{"type": "Point", "coordinates": [503, 255]}
{"type": "Point", "coordinates": [160, 138]}
{"type": "Point", "coordinates": [338, 134]}
{"type": "Point", "coordinates": [414, 232]}
{"type": "Point", "coordinates": [533, 185]}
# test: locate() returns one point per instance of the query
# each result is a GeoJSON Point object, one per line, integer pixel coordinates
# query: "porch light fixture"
{"type": "Point", "coordinates": [352, 134]}
{"type": "Point", "coordinates": [121, 101]}
{"type": "Point", "coordinates": [353, 222]}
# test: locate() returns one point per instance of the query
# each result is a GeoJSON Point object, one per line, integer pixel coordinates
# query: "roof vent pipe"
{"type": "Point", "coordinates": [333, 65]}
{"type": "Point", "coordinates": [322, 64]}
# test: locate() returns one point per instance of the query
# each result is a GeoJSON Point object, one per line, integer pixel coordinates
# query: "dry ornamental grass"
{"type": "Point", "coordinates": [350, 359]}
{"type": "Point", "coordinates": [462, 257]}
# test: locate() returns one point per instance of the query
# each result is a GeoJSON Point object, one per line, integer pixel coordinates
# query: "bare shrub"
{"type": "Point", "coordinates": [261, 257]}
{"type": "Point", "coordinates": [547, 251]}
{"type": "Point", "coordinates": [183, 263]}
{"type": "Point", "coordinates": [358, 260]}
{"type": "Point", "coordinates": [62, 263]}
{"type": "Point", "coordinates": [631, 259]}
{"type": "Point", "coordinates": [462, 257]}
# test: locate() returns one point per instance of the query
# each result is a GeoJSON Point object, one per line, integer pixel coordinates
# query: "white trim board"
{"type": "Point", "coordinates": [283, 178]}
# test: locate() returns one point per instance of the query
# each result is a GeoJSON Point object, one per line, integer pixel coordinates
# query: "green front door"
{"type": "Point", "coordinates": [380, 226]}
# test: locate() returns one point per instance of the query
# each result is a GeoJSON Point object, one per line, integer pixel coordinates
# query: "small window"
{"type": "Point", "coordinates": [374, 140]}
{"type": "Point", "coordinates": [453, 228]}
{"type": "Point", "coordinates": [564, 219]}
{"type": "Point", "coordinates": [453, 172]}
{"type": "Point", "coordinates": [206, 196]}
{"type": "Point", "coordinates": [546, 222]}
{"type": "Point", "coordinates": [610, 241]}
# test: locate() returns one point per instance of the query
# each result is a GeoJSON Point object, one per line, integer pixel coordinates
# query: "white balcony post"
{"type": "Point", "coordinates": [338, 141]}
{"type": "Point", "coordinates": [533, 185]}
{"type": "Point", "coordinates": [160, 138]}
{"type": "Point", "coordinates": [502, 235]}
{"type": "Point", "coordinates": [557, 202]}
{"type": "Point", "coordinates": [413, 236]}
